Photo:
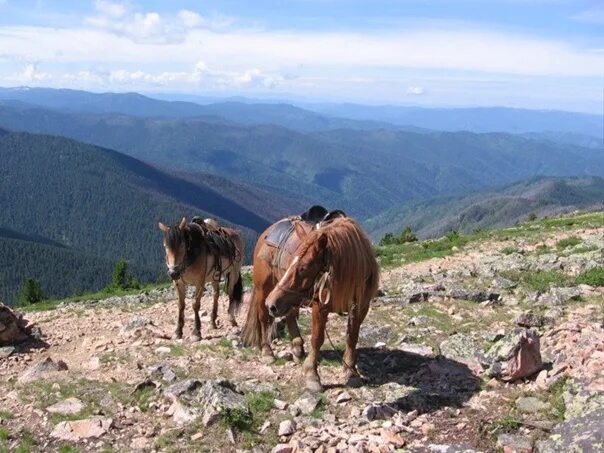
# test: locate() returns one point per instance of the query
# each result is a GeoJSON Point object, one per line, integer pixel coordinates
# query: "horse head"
{"type": "Point", "coordinates": [175, 245]}
{"type": "Point", "coordinates": [301, 280]}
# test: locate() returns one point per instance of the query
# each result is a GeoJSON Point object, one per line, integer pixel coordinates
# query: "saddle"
{"type": "Point", "coordinates": [284, 238]}
{"type": "Point", "coordinates": [218, 243]}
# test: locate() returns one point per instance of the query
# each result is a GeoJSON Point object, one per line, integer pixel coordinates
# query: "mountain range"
{"type": "Point", "coordinates": [499, 207]}
{"type": "Point", "coordinates": [86, 176]}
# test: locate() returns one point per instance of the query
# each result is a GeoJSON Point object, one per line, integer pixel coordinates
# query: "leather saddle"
{"type": "Point", "coordinates": [284, 238]}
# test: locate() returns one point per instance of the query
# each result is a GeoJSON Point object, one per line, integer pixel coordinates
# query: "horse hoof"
{"type": "Point", "coordinates": [314, 386]}
{"type": "Point", "coordinates": [354, 381]}
{"type": "Point", "coordinates": [298, 353]}
{"type": "Point", "coordinates": [177, 336]}
{"type": "Point", "coordinates": [196, 337]}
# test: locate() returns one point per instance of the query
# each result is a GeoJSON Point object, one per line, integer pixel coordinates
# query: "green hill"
{"type": "Point", "coordinates": [363, 172]}
{"type": "Point", "coordinates": [544, 196]}
{"type": "Point", "coordinates": [86, 207]}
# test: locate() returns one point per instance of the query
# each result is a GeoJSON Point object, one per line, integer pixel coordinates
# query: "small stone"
{"type": "Point", "coordinates": [393, 438]}
{"type": "Point", "coordinates": [195, 437]}
{"type": "Point", "coordinates": [279, 404]}
{"type": "Point", "coordinates": [282, 448]}
{"type": "Point", "coordinates": [531, 405]}
{"type": "Point", "coordinates": [427, 428]}
{"type": "Point", "coordinates": [343, 397]}
{"type": "Point", "coordinates": [42, 369]}
{"type": "Point", "coordinates": [265, 426]}
{"type": "Point", "coordinates": [163, 350]}
{"type": "Point", "coordinates": [287, 428]}
{"type": "Point", "coordinates": [515, 442]}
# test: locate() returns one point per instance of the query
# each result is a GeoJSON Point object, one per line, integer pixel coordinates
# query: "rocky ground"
{"type": "Point", "coordinates": [441, 351]}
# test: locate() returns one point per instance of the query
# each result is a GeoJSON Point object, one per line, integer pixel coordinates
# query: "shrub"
{"type": "Point", "coordinates": [568, 242]}
{"type": "Point", "coordinates": [532, 216]}
{"type": "Point", "coordinates": [592, 277]}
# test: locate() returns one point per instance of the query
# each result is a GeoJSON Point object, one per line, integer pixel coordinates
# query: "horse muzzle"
{"type": "Point", "coordinates": [174, 274]}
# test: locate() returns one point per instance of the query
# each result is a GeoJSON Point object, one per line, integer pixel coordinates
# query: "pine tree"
{"type": "Point", "coordinates": [31, 292]}
{"type": "Point", "coordinates": [119, 277]}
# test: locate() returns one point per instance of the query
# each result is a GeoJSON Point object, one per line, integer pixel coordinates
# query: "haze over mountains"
{"type": "Point", "coordinates": [135, 160]}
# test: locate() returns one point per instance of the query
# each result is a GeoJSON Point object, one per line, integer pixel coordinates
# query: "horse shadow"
{"type": "Point", "coordinates": [407, 381]}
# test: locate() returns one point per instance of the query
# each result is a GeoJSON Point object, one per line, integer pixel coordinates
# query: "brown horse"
{"type": "Point", "coordinates": [270, 262]}
{"type": "Point", "coordinates": [201, 252]}
{"type": "Point", "coordinates": [335, 269]}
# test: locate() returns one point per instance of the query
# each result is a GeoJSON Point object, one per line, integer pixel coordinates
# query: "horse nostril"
{"type": "Point", "coordinates": [272, 309]}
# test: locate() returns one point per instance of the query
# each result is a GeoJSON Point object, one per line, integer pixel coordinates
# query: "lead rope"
{"type": "Point", "coordinates": [321, 287]}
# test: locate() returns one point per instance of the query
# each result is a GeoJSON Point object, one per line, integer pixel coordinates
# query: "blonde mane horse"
{"type": "Point", "coordinates": [335, 269]}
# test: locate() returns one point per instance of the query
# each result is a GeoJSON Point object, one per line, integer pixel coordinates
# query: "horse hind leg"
{"type": "Point", "coordinates": [355, 317]}
{"type": "Point", "coordinates": [196, 336]}
{"type": "Point", "coordinates": [216, 288]}
{"type": "Point", "coordinates": [311, 376]}
{"type": "Point", "coordinates": [297, 344]}
{"type": "Point", "coordinates": [181, 292]}
{"type": "Point", "coordinates": [235, 288]}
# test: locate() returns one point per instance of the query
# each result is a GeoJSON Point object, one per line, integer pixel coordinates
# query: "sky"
{"type": "Point", "coordinates": [540, 54]}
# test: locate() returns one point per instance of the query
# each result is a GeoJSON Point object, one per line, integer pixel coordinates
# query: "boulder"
{"type": "Point", "coordinates": [585, 433]}
{"type": "Point", "coordinates": [307, 403]}
{"type": "Point", "coordinates": [287, 428]}
{"type": "Point", "coordinates": [531, 405]}
{"type": "Point", "coordinates": [42, 370]}
{"type": "Point", "coordinates": [13, 327]}
{"type": "Point", "coordinates": [515, 356]}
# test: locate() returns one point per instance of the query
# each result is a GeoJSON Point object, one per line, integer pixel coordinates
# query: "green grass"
{"type": "Point", "coordinates": [6, 415]}
{"type": "Point", "coordinates": [4, 433]}
{"type": "Point", "coordinates": [51, 304]}
{"type": "Point", "coordinates": [393, 255]}
{"type": "Point", "coordinates": [538, 280]}
{"type": "Point", "coordinates": [237, 419]}
{"type": "Point", "coordinates": [505, 424]}
{"type": "Point", "coordinates": [556, 399]}
{"type": "Point", "coordinates": [260, 402]}
{"type": "Point", "coordinates": [68, 449]}
{"type": "Point", "coordinates": [509, 250]}
{"type": "Point", "coordinates": [592, 277]}
{"type": "Point", "coordinates": [27, 442]}
{"type": "Point", "coordinates": [568, 242]}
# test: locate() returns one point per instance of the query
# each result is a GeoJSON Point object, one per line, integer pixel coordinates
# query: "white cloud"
{"type": "Point", "coordinates": [151, 27]}
{"type": "Point", "coordinates": [595, 14]}
{"type": "Point", "coordinates": [415, 90]}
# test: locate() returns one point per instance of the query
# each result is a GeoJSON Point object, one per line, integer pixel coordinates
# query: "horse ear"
{"type": "Point", "coordinates": [300, 231]}
{"type": "Point", "coordinates": [163, 227]}
{"type": "Point", "coordinates": [183, 223]}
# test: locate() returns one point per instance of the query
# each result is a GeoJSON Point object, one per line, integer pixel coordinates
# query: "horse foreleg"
{"type": "Point", "coordinates": [216, 287]}
{"type": "Point", "coordinates": [181, 290]}
{"type": "Point", "coordinates": [294, 333]}
{"type": "Point", "coordinates": [196, 305]}
{"type": "Point", "coordinates": [311, 376]}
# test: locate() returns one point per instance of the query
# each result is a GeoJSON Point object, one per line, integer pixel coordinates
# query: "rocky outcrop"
{"type": "Point", "coordinates": [13, 327]}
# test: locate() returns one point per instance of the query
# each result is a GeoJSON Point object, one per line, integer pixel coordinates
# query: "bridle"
{"type": "Point", "coordinates": [317, 286]}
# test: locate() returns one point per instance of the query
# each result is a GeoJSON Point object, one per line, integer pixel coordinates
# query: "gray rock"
{"type": "Point", "coordinates": [531, 405]}
{"type": "Point", "coordinates": [164, 372]}
{"type": "Point", "coordinates": [463, 348]}
{"type": "Point", "coordinates": [516, 442]}
{"type": "Point", "coordinates": [182, 387]}
{"type": "Point", "coordinates": [503, 283]}
{"type": "Point", "coordinates": [42, 369]}
{"type": "Point", "coordinates": [579, 434]}
{"type": "Point", "coordinates": [137, 322]}
{"type": "Point", "coordinates": [77, 430]}
{"type": "Point", "coordinates": [307, 403]}
{"type": "Point", "coordinates": [378, 412]}
{"type": "Point", "coordinates": [6, 351]}
{"type": "Point", "coordinates": [217, 397]}
{"type": "Point", "coordinates": [371, 334]}
{"type": "Point", "coordinates": [416, 348]}
{"type": "Point", "coordinates": [70, 406]}
{"type": "Point", "coordinates": [559, 296]}
{"type": "Point", "coordinates": [287, 428]}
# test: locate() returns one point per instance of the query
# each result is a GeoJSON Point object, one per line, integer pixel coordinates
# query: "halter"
{"type": "Point", "coordinates": [316, 287]}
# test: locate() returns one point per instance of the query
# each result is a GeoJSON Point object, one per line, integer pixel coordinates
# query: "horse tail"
{"type": "Point", "coordinates": [236, 297]}
{"type": "Point", "coordinates": [251, 334]}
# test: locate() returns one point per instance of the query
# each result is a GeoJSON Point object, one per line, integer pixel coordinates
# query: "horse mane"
{"type": "Point", "coordinates": [355, 271]}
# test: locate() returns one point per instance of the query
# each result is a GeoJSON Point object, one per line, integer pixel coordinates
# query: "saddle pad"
{"type": "Point", "coordinates": [279, 232]}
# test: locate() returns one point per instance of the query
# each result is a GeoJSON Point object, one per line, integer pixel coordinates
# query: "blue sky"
{"type": "Point", "coordinates": [524, 53]}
